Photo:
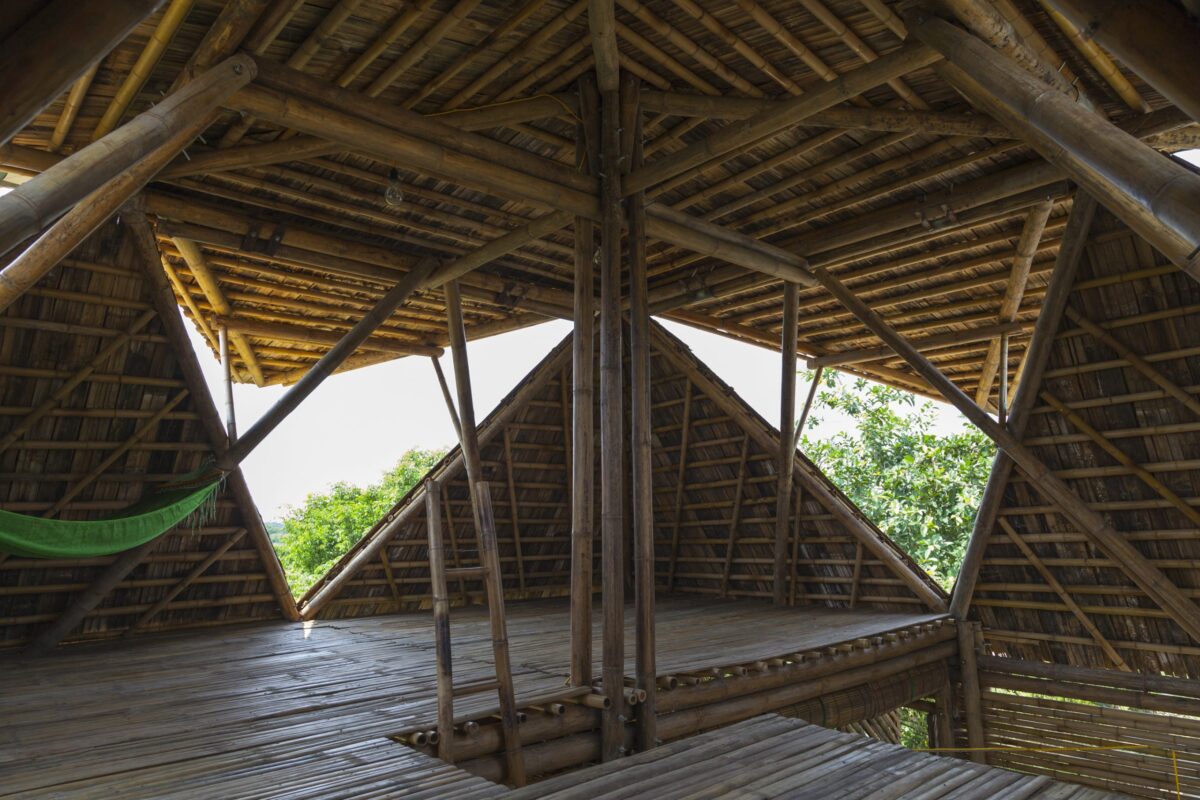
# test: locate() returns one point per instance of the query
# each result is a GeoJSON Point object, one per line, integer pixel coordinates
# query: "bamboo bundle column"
{"type": "Point", "coordinates": [1178, 606]}
{"type": "Point", "coordinates": [582, 404]}
{"type": "Point", "coordinates": [640, 425]}
{"type": "Point", "coordinates": [787, 436]}
{"type": "Point", "coordinates": [611, 436]}
{"type": "Point", "coordinates": [79, 32]}
{"type": "Point", "coordinates": [1157, 197]}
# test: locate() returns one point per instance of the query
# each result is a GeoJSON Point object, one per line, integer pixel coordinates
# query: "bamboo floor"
{"type": "Point", "coordinates": [291, 710]}
{"type": "Point", "coordinates": [776, 757]}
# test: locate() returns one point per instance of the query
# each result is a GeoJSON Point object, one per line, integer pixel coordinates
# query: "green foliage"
{"type": "Point", "coordinates": [329, 523]}
{"type": "Point", "coordinates": [914, 729]}
{"type": "Point", "coordinates": [920, 487]}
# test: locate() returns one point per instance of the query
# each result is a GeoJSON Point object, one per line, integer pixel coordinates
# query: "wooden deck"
{"type": "Point", "coordinates": [775, 757]}
{"type": "Point", "coordinates": [296, 711]}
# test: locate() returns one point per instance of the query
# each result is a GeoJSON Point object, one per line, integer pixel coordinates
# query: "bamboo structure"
{"type": "Point", "coordinates": [976, 201]}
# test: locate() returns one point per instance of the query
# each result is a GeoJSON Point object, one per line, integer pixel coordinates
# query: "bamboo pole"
{"type": "Point", "coordinates": [611, 424]}
{"type": "Point", "coordinates": [174, 15]}
{"type": "Point", "coordinates": [79, 33]}
{"type": "Point", "coordinates": [1157, 197]}
{"type": "Point", "coordinates": [787, 438]}
{"type": "Point", "coordinates": [71, 106]}
{"type": "Point", "coordinates": [33, 205]}
{"type": "Point", "coordinates": [227, 382]}
{"type": "Point", "coordinates": [1150, 578]}
{"type": "Point", "coordinates": [327, 364]}
{"type": "Point", "coordinates": [641, 425]}
{"type": "Point", "coordinates": [967, 653]}
{"type": "Point", "coordinates": [441, 621]}
{"type": "Point", "coordinates": [582, 403]}
{"type": "Point", "coordinates": [1066, 266]}
{"type": "Point", "coordinates": [1014, 291]}
{"type": "Point", "coordinates": [489, 556]}
{"type": "Point", "coordinates": [1154, 38]}
{"type": "Point", "coordinates": [163, 300]}
{"type": "Point", "coordinates": [241, 326]}
{"type": "Point", "coordinates": [602, 26]}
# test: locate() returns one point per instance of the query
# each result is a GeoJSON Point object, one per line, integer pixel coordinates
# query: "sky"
{"type": "Point", "coordinates": [356, 424]}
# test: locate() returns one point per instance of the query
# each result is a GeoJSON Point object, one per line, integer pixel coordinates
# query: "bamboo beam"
{"type": "Point", "coordinates": [326, 365]}
{"type": "Point", "coordinates": [163, 299]}
{"type": "Point", "coordinates": [641, 430]}
{"type": "Point", "coordinates": [30, 79]}
{"type": "Point", "coordinates": [1014, 291]}
{"type": "Point", "coordinates": [241, 326]}
{"type": "Point", "coordinates": [32, 206]}
{"type": "Point", "coordinates": [1157, 197]}
{"type": "Point", "coordinates": [611, 437]}
{"type": "Point", "coordinates": [870, 119]}
{"type": "Point", "coordinates": [788, 113]}
{"type": "Point", "coordinates": [1154, 38]}
{"type": "Point", "coordinates": [1099, 61]}
{"type": "Point", "coordinates": [211, 287]}
{"type": "Point", "coordinates": [582, 404]}
{"type": "Point", "coordinates": [1179, 607]}
{"type": "Point", "coordinates": [735, 518]}
{"type": "Point", "coordinates": [71, 106]}
{"type": "Point", "coordinates": [787, 437]}
{"type": "Point", "coordinates": [514, 517]}
{"type": "Point", "coordinates": [1066, 266]}
{"type": "Point", "coordinates": [174, 15]}
{"type": "Point", "coordinates": [1063, 595]}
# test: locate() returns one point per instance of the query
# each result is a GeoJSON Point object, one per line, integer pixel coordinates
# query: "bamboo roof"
{"type": "Point", "coordinates": [130, 423]}
{"type": "Point", "coordinates": [906, 214]}
{"type": "Point", "coordinates": [1117, 418]}
{"type": "Point", "coordinates": [714, 513]}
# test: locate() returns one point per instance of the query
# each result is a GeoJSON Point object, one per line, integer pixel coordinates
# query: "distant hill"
{"type": "Point", "coordinates": [274, 530]}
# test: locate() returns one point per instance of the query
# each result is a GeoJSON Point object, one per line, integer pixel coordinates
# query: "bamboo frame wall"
{"type": "Point", "coordinates": [96, 410]}
{"type": "Point", "coordinates": [722, 492]}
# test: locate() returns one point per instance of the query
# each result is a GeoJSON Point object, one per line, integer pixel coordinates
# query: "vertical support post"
{"type": "Point", "coordinates": [1002, 402]}
{"type": "Point", "coordinates": [943, 719]}
{"type": "Point", "coordinates": [441, 621]}
{"type": "Point", "coordinates": [640, 434]}
{"type": "Point", "coordinates": [611, 434]}
{"type": "Point", "coordinates": [582, 403]}
{"type": "Point", "coordinates": [967, 635]}
{"type": "Point", "coordinates": [485, 527]}
{"type": "Point", "coordinates": [787, 436]}
{"type": "Point", "coordinates": [680, 480]}
{"type": "Point", "coordinates": [227, 378]}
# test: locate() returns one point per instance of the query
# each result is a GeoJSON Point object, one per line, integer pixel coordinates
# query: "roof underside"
{"type": "Point", "coordinates": [815, 190]}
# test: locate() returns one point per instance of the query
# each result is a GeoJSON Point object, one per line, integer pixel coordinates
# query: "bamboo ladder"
{"type": "Point", "coordinates": [489, 572]}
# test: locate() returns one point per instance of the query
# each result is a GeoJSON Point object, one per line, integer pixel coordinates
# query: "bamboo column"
{"type": "Point", "coordinates": [1154, 38]}
{"type": "Point", "coordinates": [329, 362]}
{"type": "Point", "coordinates": [227, 380]}
{"type": "Point", "coordinates": [1155, 196]}
{"type": "Point", "coordinates": [489, 556]}
{"type": "Point", "coordinates": [32, 206]}
{"type": "Point", "coordinates": [611, 436]}
{"type": "Point", "coordinates": [1066, 265]}
{"type": "Point", "coordinates": [65, 39]}
{"type": "Point", "coordinates": [967, 655]}
{"type": "Point", "coordinates": [582, 403]}
{"type": "Point", "coordinates": [1178, 606]}
{"type": "Point", "coordinates": [640, 423]}
{"type": "Point", "coordinates": [787, 437]}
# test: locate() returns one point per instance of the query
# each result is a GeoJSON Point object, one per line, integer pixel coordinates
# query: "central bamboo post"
{"type": "Point", "coordinates": [611, 437]}
{"type": "Point", "coordinates": [787, 436]}
{"type": "Point", "coordinates": [582, 404]}
{"type": "Point", "coordinates": [227, 380]}
{"type": "Point", "coordinates": [639, 416]}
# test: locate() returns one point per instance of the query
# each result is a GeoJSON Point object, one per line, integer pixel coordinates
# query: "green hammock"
{"type": "Point", "coordinates": [37, 537]}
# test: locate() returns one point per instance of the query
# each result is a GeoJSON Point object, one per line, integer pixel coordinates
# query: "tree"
{"type": "Point", "coordinates": [921, 488]}
{"type": "Point", "coordinates": [329, 523]}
